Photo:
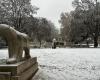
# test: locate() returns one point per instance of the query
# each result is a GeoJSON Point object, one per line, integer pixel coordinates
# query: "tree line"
{"type": "Point", "coordinates": [20, 15]}
{"type": "Point", "coordinates": [83, 23]}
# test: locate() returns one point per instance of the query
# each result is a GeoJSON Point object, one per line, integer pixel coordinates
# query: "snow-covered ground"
{"type": "Point", "coordinates": [66, 64]}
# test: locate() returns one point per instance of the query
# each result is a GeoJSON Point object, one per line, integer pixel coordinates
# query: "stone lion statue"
{"type": "Point", "coordinates": [17, 42]}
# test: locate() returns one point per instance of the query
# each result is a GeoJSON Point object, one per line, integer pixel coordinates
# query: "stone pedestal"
{"type": "Point", "coordinates": [20, 71]}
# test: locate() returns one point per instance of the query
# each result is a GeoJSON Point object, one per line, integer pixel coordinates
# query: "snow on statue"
{"type": "Point", "coordinates": [17, 42]}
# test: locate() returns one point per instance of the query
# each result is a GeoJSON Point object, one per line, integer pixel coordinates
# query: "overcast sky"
{"type": "Point", "coordinates": [51, 9]}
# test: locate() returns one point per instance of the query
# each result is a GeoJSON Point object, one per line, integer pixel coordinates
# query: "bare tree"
{"type": "Point", "coordinates": [13, 11]}
{"type": "Point", "coordinates": [85, 21]}
{"type": "Point", "coordinates": [91, 17]}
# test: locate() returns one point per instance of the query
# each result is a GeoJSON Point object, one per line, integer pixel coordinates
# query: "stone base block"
{"type": "Point", "coordinates": [20, 71]}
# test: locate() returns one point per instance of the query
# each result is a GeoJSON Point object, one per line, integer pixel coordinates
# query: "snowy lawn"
{"type": "Point", "coordinates": [66, 64]}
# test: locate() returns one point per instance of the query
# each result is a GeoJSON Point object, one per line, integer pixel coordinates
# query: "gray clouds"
{"type": "Point", "coordinates": [51, 9]}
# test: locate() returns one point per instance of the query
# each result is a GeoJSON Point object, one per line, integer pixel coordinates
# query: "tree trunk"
{"type": "Point", "coordinates": [95, 41]}
{"type": "Point", "coordinates": [40, 44]}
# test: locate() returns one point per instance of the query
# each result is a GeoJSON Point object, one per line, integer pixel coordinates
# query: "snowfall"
{"type": "Point", "coordinates": [65, 63]}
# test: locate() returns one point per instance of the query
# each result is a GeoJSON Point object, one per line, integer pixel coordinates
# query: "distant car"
{"type": "Point", "coordinates": [58, 44]}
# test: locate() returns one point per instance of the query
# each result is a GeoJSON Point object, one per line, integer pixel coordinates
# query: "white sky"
{"type": "Point", "coordinates": [51, 9]}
